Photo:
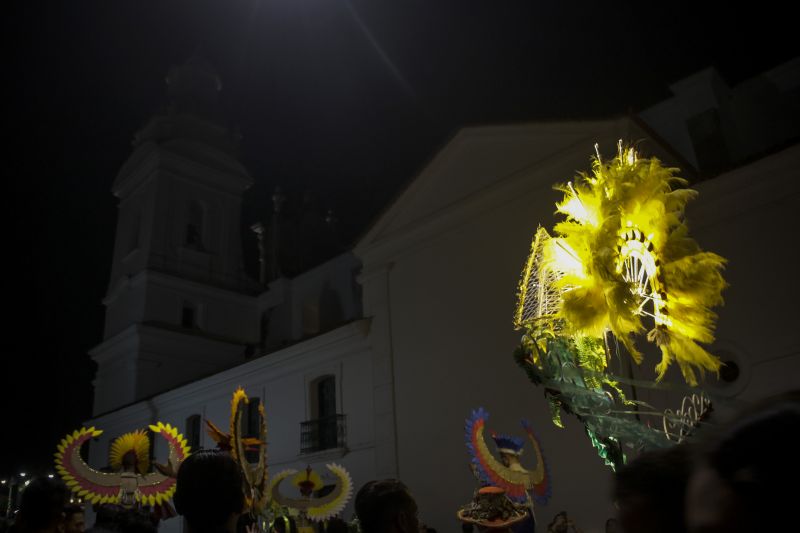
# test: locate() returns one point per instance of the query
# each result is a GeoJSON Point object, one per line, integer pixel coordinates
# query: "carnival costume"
{"type": "Point", "coordinates": [491, 509]}
{"type": "Point", "coordinates": [621, 265]}
{"type": "Point", "coordinates": [254, 475]}
{"type": "Point", "coordinates": [131, 483]}
{"type": "Point", "coordinates": [310, 508]}
{"type": "Point", "coordinates": [507, 473]}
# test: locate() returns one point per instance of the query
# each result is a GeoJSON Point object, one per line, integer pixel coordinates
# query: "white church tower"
{"type": "Point", "coordinates": [179, 304]}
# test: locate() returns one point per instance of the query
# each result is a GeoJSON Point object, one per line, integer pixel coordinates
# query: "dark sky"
{"type": "Point", "coordinates": [346, 100]}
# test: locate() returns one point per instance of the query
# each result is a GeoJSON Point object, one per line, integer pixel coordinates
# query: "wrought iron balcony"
{"type": "Point", "coordinates": [324, 433]}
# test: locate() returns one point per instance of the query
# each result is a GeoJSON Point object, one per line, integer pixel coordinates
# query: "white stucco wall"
{"type": "Point", "coordinates": [750, 216]}
{"type": "Point", "coordinates": [281, 380]}
{"type": "Point", "coordinates": [447, 293]}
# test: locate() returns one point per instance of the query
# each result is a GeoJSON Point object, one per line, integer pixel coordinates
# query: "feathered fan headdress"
{"type": "Point", "coordinates": [132, 483]}
{"type": "Point", "coordinates": [517, 481]}
{"type": "Point", "coordinates": [308, 481]}
{"type": "Point", "coordinates": [131, 449]}
{"type": "Point", "coordinates": [255, 475]}
{"type": "Point", "coordinates": [620, 265]}
{"type": "Point", "coordinates": [623, 262]}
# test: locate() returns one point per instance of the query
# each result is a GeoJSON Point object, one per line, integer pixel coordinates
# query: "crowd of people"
{"type": "Point", "coordinates": [740, 478]}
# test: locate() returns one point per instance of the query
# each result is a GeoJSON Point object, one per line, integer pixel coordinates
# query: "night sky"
{"type": "Point", "coordinates": [341, 100]}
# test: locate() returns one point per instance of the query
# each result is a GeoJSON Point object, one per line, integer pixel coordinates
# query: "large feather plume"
{"type": "Point", "coordinates": [136, 442]}
{"type": "Point", "coordinates": [633, 199]}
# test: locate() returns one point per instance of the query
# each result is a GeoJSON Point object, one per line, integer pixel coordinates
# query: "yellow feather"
{"type": "Point", "coordinates": [137, 442]}
{"type": "Point", "coordinates": [238, 396]}
{"type": "Point", "coordinates": [631, 200]}
{"type": "Point", "coordinates": [305, 476]}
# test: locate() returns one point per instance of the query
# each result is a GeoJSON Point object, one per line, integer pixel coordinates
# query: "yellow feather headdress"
{"type": "Point", "coordinates": [149, 488]}
{"type": "Point", "coordinates": [622, 261]}
{"type": "Point", "coordinates": [136, 442]}
{"type": "Point", "coordinates": [255, 475]}
{"type": "Point", "coordinates": [313, 508]}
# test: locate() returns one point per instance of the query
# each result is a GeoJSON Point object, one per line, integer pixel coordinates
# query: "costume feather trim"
{"type": "Point", "coordinates": [625, 263]}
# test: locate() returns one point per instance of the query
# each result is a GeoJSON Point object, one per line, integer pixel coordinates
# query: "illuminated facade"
{"type": "Point", "coordinates": [426, 333]}
{"type": "Point", "coordinates": [440, 280]}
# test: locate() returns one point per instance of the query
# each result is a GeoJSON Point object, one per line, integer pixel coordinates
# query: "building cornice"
{"type": "Point", "coordinates": [152, 159]}
{"type": "Point", "coordinates": [163, 279]}
{"type": "Point", "coordinates": [106, 349]}
{"type": "Point", "coordinates": [350, 338]}
{"type": "Point", "coordinates": [746, 188]}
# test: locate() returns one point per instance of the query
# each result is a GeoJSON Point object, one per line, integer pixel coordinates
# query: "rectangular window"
{"type": "Point", "coordinates": [187, 317]}
{"type": "Point", "coordinates": [251, 427]}
{"type": "Point", "coordinates": [193, 432]}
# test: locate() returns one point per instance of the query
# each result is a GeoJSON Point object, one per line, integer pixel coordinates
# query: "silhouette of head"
{"type": "Point", "coordinates": [209, 491]}
{"type": "Point", "coordinates": [73, 519]}
{"type": "Point", "coordinates": [650, 491]}
{"type": "Point", "coordinates": [737, 485]}
{"type": "Point", "coordinates": [386, 506]}
{"type": "Point", "coordinates": [41, 505]}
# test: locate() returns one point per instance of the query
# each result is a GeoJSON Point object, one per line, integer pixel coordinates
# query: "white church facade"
{"type": "Point", "coordinates": [420, 332]}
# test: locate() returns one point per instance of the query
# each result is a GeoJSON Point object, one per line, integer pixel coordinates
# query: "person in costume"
{"type": "Point", "coordinates": [307, 482]}
{"type": "Point", "coordinates": [254, 475]}
{"type": "Point", "coordinates": [491, 510]}
{"type": "Point", "coordinates": [209, 492]}
{"type": "Point", "coordinates": [521, 485]}
{"type": "Point", "coordinates": [131, 483]}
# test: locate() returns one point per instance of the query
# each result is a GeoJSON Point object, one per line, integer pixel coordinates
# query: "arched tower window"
{"type": "Point", "coordinates": [330, 308]}
{"type": "Point", "coordinates": [325, 389]}
{"type": "Point", "coordinates": [310, 317]}
{"type": "Point", "coordinates": [195, 225]}
{"type": "Point", "coordinates": [264, 328]}
{"type": "Point", "coordinates": [323, 406]}
{"type": "Point", "coordinates": [189, 316]}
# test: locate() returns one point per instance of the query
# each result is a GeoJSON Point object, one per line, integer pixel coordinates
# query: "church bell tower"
{"type": "Point", "coordinates": [179, 303]}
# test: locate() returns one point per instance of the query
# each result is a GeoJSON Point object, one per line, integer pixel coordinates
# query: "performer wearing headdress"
{"type": "Point", "coordinates": [255, 475]}
{"type": "Point", "coordinates": [521, 485]}
{"type": "Point", "coordinates": [131, 484]}
{"type": "Point", "coordinates": [492, 510]}
{"type": "Point", "coordinates": [310, 508]}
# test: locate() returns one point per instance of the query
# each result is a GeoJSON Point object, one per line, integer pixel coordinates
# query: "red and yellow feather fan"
{"type": "Point", "coordinates": [131, 483]}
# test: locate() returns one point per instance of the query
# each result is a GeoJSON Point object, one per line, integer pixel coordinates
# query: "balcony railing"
{"type": "Point", "coordinates": [324, 433]}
